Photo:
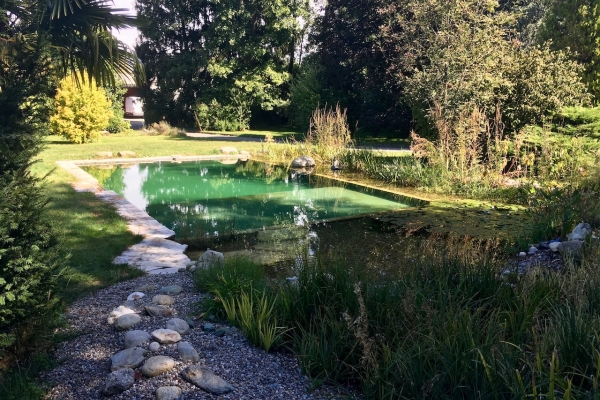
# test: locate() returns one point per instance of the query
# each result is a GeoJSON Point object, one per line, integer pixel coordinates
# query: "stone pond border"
{"type": "Point", "coordinates": [155, 254]}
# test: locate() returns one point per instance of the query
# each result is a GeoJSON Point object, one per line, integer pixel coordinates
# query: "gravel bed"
{"type": "Point", "coordinates": [84, 362]}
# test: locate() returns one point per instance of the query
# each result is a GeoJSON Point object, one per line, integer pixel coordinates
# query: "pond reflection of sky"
{"type": "Point", "coordinates": [209, 197]}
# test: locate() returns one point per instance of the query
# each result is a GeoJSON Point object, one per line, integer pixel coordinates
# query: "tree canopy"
{"type": "Point", "coordinates": [237, 54]}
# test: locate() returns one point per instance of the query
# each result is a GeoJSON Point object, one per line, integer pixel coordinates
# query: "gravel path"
{"type": "Point", "coordinates": [84, 362]}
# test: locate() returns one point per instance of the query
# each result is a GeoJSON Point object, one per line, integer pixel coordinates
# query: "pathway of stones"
{"type": "Point", "coordinates": [149, 347]}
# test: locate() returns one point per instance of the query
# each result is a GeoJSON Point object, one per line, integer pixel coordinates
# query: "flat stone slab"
{"type": "Point", "coordinates": [166, 336]}
{"type": "Point", "coordinates": [155, 255]}
{"type": "Point", "coordinates": [205, 379]}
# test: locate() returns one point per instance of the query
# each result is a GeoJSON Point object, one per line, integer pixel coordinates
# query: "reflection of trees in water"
{"type": "Point", "coordinates": [195, 221]}
{"type": "Point", "coordinates": [263, 171]}
{"type": "Point", "coordinates": [110, 176]}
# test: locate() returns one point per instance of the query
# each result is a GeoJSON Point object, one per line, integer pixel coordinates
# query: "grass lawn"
{"type": "Point", "coordinates": [277, 134]}
{"type": "Point", "coordinates": [90, 230]}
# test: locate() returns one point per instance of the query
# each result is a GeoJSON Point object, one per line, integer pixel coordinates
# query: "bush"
{"type": "Point", "coordinates": [27, 261]}
{"type": "Point", "coordinates": [117, 123]}
{"type": "Point", "coordinates": [579, 121]}
{"type": "Point", "coordinates": [82, 110]}
{"type": "Point", "coordinates": [163, 128]}
{"type": "Point", "coordinates": [221, 117]}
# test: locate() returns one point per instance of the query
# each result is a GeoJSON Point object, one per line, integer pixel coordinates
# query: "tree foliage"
{"type": "Point", "coordinates": [465, 53]}
{"type": "Point", "coordinates": [354, 69]}
{"type": "Point", "coordinates": [39, 41]}
{"type": "Point", "coordinates": [575, 25]}
{"type": "Point", "coordinates": [82, 110]}
{"type": "Point", "coordinates": [236, 54]}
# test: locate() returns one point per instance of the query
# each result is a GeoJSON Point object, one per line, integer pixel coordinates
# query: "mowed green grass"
{"type": "Point", "coordinates": [90, 231]}
{"type": "Point", "coordinates": [276, 134]}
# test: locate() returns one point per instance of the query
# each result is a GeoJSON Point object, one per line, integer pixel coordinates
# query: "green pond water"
{"type": "Point", "coordinates": [214, 198]}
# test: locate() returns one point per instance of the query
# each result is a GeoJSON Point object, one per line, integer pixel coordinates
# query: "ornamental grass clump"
{"type": "Point", "coordinates": [329, 132]}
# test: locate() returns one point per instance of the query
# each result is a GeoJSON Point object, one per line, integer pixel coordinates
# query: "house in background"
{"type": "Point", "coordinates": [132, 103]}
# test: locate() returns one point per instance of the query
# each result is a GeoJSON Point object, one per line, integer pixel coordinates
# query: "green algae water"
{"type": "Point", "coordinates": [217, 198]}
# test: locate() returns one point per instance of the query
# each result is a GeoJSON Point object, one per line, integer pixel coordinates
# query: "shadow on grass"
{"type": "Point", "coordinates": [92, 234]}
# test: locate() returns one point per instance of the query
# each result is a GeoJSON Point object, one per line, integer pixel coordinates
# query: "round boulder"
{"type": "Point", "coordinates": [157, 365]}
{"type": "Point", "coordinates": [178, 325]}
{"type": "Point", "coordinates": [136, 338]}
{"type": "Point", "coordinates": [303, 162]}
{"type": "Point", "coordinates": [127, 321]}
{"type": "Point", "coordinates": [163, 300]}
{"type": "Point", "coordinates": [128, 358]}
{"type": "Point", "coordinates": [119, 381]}
{"type": "Point", "coordinates": [168, 393]}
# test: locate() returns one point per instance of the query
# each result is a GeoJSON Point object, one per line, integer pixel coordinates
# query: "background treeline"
{"type": "Point", "coordinates": [222, 66]}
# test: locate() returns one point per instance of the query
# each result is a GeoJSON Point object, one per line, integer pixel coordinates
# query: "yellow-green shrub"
{"type": "Point", "coordinates": [82, 110]}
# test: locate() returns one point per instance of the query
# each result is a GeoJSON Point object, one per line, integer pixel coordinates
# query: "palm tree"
{"type": "Point", "coordinates": [78, 30]}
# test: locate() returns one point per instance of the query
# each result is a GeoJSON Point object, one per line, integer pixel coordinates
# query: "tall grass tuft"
{"type": "Point", "coordinates": [446, 325]}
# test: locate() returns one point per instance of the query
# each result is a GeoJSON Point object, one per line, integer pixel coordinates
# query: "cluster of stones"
{"type": "Point", "coordinates": [551, 253]}
{"type": "Point", "coordinates": [139, 344]}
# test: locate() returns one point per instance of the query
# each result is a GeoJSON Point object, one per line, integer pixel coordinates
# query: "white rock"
{"type": "Point", "coordinates": [210, 258]}
{"type": "Point", "coordinates": [193, 268]}
{"type": "Point", "coordinates": [580, 232]}
{"type": "Point", "coordinates": [522, 254]}
{"type": "Point", "coordinates": [554, 246]}
{"type": "Point", "coordinates": [117, 312]}
{"type": "Point", "coordinates": [166, 336]}
{"type": "Point", "coordinates": [135, 296]}
{"type": "Point", "coordinates": [532, 250]}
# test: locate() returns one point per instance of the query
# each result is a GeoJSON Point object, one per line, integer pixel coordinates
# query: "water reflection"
{"type": "Point", "coordinates": [210, 198]}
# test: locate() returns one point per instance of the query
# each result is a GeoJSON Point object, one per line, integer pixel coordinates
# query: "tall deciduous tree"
{"type": "Point", "coordinates": [461, 53]}
{"type": "Point", "coordinates": [575, 25]}
{"type": "Point", "coordinates": [234, 52]}
{"type": "Point", "coordinates": [353, 68]}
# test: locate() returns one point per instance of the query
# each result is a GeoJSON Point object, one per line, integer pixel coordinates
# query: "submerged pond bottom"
{"type": "Point", "coordinates": [202, 199]}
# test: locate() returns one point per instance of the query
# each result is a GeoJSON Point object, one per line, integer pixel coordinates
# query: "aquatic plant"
{"type": "Point", "coordinates": [446, 325]}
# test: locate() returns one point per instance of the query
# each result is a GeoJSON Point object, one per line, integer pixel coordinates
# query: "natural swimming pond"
{"type": "Point", "coordinates": [223, 197]}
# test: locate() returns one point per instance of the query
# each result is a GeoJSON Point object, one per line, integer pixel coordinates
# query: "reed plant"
{"type": "Point", "coordinates": [448, 325]}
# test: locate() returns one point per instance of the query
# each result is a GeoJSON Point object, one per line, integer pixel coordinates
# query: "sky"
{"type": "Point", "coordinates": [127, 36]}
